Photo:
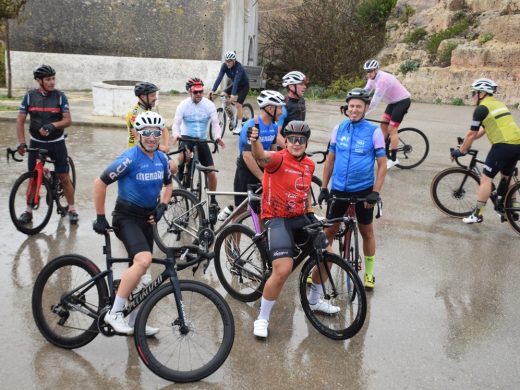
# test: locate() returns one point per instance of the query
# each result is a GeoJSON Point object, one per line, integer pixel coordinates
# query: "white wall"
{"type": "Point", "coordinates": [78, 72]}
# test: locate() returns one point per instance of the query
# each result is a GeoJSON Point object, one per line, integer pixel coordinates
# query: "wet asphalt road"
{"type": "Point", "coordinates": [444, 312]}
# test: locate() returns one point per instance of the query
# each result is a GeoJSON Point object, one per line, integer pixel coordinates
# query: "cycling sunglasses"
{"type": "Point", "coordinates": [197, 92]}
{"type": "Point", "coordinates": [149, 133]}
{"type": "Point", "coordinates": [294, 139]}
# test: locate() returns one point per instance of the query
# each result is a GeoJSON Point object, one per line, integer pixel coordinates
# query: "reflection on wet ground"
{"type": "Point", "coordinates": [444, 313]}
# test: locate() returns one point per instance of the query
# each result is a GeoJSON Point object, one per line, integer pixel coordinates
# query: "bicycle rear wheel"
{"type": "Point", "coordinates": [240, 263]}
{"type": "Point", "coordinates": [512, 207]}
{"type": "Point", "coordinates": [23, 195]}
{"type": "Point", "coordinates": [60, 312]}
{"type": "Point", "coordinates": [185, 356]}
{"type": "Point", "coordinates": [180, 223]}
{"type": "Point", "coordinates": [248, 112]}
{"type": "Point", "coordinates": [349, 247]}
{"type": "Point", "coordinates": [344, 289]}
{"type": "Point", "coordinates": [221, 121]}
{"type": "Point", "coordinates": [412, 149]}
{"type": "Point", "coordinates": [454, 191]}
{"type": "Point", "coordinates": [61, 201]}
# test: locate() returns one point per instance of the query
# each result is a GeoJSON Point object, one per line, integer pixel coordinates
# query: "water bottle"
{"type": "Point", "coordinates": [222, 216]}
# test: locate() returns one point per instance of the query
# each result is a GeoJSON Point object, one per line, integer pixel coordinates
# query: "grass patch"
{"type": "Point", "coordinates": [445, 54]}
{"type": "Point", "coordinates": [457, 102]}
{"type": "Point", "coordinates": [485, 38]}
{"type": "Point", "coordinates": [456, 29]}
{"type": "Point", "coordinates": [415, 36]}
{"type": "Point", "coordinates": [409, 66]}
{"type": "Point", "coordinates": [8, 108]}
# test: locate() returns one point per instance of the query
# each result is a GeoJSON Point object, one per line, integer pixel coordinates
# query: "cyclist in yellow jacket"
{"type": "Point", "coordinates": [493, 118]}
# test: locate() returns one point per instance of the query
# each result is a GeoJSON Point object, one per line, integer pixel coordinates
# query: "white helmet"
{"type": "Point", "coordinates": [371, 65]}
{"type": "Point", "coordinates": [270, 98]}
{"type": "Point", "coordinates": [484, 85]}
{"type": "Point", "coordinates": [293, 77]}
{"type": "Point", "coordinates": [149, 119]}
{"type": "Point", "coordinates": [230, 56]}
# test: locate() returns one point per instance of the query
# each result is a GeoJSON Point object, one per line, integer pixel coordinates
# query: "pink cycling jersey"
{"type": "Point", "coordinates": [388, 89]}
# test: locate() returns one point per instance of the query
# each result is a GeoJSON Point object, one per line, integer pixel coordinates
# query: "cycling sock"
{"type": "Point", "coordinates": [393, 155]}
{"type": "Point", "coordinates": [72, 208]}
{"type": "Point", "coordinates": [369, 264]}
{"type": "Point", "coordinates": [29, 209]}
{"type": "Point", "coordinates": [119, 304]}
{"type": "Point", "coordinates": [315, 293]}
{"type": "Point", "coordinates": [265, 309]}
{"type": "Point", "coordinates": [479, 210]}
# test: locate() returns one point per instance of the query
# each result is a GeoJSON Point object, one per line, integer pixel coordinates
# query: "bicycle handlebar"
{"type": "Point", "coordinates": [352, 200]}
{"type": "Point", "coordinates": [323, 154]}
{"type": "Point", "coordinates": [186, 138]}
{"type": "Point", "coordinates": [12, 153]}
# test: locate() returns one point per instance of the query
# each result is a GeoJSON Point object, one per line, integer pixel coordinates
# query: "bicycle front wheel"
{"type": "Point", "coordinates": [343, 288]}
{"type": "Point", "coordinates": [454, 191]}
{"type": "Point", "coordinates": [349, 247]}
{"type": "Point", "coordinates": [66, 302]}
{"type": "Point", "coordinates": [221, 114]}
{"type": "Point", "coordinates": [248, 112]}
{"type": "Point", "coordinates": [180, 223]}
{"type": "Point", "coordinates": [23, 195]}
{"type": "Point", "coordinates": [61, 201]}
{"type": "Point", "coordinates": [194, 353]}
{"type": "Point", "coordinates": [512, 207]}
{"type": "Point", "coordinates": [240, 263]}
{"type": "Point", "coordinates": [412, 149]}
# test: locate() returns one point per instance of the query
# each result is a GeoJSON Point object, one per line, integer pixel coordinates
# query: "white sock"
{"type": "Point", "coordinates": [119, 304]}
{"type": "Point", "coordinates": [265, 309]}
{"type": "Point", "coordinates": [315, 293]}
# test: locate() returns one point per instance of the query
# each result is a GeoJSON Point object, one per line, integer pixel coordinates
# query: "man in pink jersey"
{"type": "Point", "coordinates": [392, 92]}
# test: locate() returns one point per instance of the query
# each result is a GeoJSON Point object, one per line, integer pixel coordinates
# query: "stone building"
{"type": "Point", "coordinates": [164, 41]}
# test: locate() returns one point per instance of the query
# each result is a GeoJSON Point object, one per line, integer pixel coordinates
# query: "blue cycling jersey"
{"type": "Point", "coordinates": [139, 177]}
{"type": "Point", "coordinates": [266, 134]}
{"type": "Point", "coordinates": [355, 147]}
{"type": "Point", "coordinates": [237, 74]}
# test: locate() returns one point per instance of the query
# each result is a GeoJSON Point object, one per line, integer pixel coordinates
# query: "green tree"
{"type": "Point", "coordinates": [9, 9]}
{"type": "Point", "coordinates": [327, 40]}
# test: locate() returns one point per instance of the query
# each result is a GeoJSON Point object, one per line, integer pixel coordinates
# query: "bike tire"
{"type": "Point", "coordinates": [412, 149]}
{"type": "Point", "coordinates": [346, 291]}
{"type": "Point", "coordinates": [222, 117]}
{"type": "Point", "coordinates": [454, 191]}
{"type": "Point", "coordinates": [55, 280]}
{"type": "Point", "coordinates": [18, 203]}
{"type": "Point", "coordinates": [181, 221]}
{"type": "Point", "coordinates": [248, 112]}
{"type": "Point", "coordinates": [350, 248]}
{"type": "Point", "coordinates": [512, 207]}
{"type": "Point", "coordinates": [240, 263]}
{"type": "Point", "coordinates": [189, 357]}
{"type": "Point", "coordinates": [61, 201]}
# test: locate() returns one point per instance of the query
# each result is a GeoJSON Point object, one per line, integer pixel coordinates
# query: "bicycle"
{"type": "Point", "coordinates": [71, 297]}
{"type": "Point", "coordinates": [227, 113]}
{"type": "Point", "coordinates": [34, 186]}
{"type": "Point", "coordinates": [243, 266]}
{"type": "Point", "coordinates": [454, 191]}
{"type": "Point", "coordinates": [348, 233]}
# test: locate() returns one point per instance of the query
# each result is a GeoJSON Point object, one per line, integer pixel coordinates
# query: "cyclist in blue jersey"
{"type": "Point", "coordinates": [248, 171]}
{"type": "Point", "coordinates": [191, 119]}
{"type": "Point", "coordinates": [141, 172]}
{"type": "Point", "coordinates": [239, 88]}
{"type": "Point", "coordinates": [50, 115]}
{"type": "Point", "coordinates": [354, 146]}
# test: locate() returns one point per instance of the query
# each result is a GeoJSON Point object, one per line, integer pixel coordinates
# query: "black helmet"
{"type": "Point", "coordinates": [358, 93]}
{"type": "Point", "coordinates": [298, 128]}
{"type": "Point", "coordinates": [43, 71]}
{"type": "Point", "coordinates": [145, 88]}
{"type": "Point", "coordinates": [193, 81]}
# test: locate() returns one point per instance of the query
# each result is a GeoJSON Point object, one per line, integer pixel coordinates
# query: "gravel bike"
{"type": "Point", "coordinates": [454, 191]}
{"type": "Point", "coordinates": [38, 189]}
{"type": "Point", "coordinates": [243, 266]}
{"type": "Point", "coordinates": [71, 297]}
{"type": "Point", "coordinates": [227, 114]}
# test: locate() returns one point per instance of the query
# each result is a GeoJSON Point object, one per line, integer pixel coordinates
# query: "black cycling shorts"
{"type": "Point", "coordinates": [501, 158]}
{"type": "Point", "coordinates": [57, 152]}
{"type": "Point", "coordinates": [132, 228]}
{"type": "Point", "coordinates": [241, 93]}
{"type": "Point", "coordinates": [243, 177]}
{"type": "Point", "coordinates": [283, 233]}
{"type": "Point", "coordinates": [338, 208]}
{"type": "Point", "coordinates": [395, 112]}
{"type": "Point", "coordinates": [205, 156]}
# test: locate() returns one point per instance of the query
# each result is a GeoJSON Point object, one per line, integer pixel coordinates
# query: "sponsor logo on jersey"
{"type": "Point", "coordinates": [120, 168]}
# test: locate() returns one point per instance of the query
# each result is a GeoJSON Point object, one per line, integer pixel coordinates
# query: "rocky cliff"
{"type": "Point", "coordinates": [476, 38]}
